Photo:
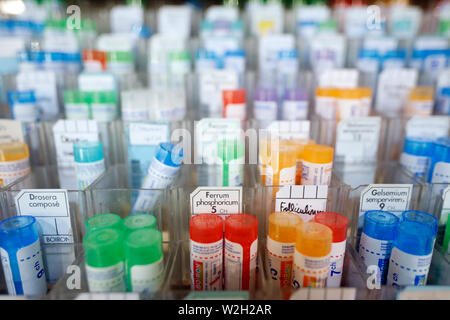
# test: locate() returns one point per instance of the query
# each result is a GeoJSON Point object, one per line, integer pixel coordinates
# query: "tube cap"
{"type": "Point", "coordinates": [88, 151]}
{"type": "Point", "coordinates": [422, 217]}
{"type": "Point", "coordinates": [104, 220]}
{"type": "Point", "coordinates": [143, 247]}
{"type": "Point", "coordinates": [288, 54]}
{"type": "Point", "coordinates": [418, 146]}
{"type": "Point", "coordinates": [96, 55]}
{"type": "Point", "coordinates": [265, 94]}
{"type": "Point", "coordinates": [241, 228]}
{"type": "Point", "coordinates": [21, 97]}
{"type": "Point", "coordinates": [233, 96]}
{"type": "Point", "coordinates": [206, 228]}
{"type": "Point", "coordinates": [414, 238]}
{"type": "Point", "coordinates": [230, 150]}
{"type": "Point", "coordinates": [296, 94]}
{"type": "Point", "coordinates": [181, 55]}
{"type": "Point", "coordinates": [317, 153]}
{"type": "Point", "coordinates": [139, 221]}
{"type": "Point", "coordinates": [381, 225]}
{"type": "Point", "coordinates": [169, 154]}
{"type": "Point", "coordinates": [283, 225]}
{"type": "Point", "coordinates": [103, 247]}
{"type": "Point", "coordinates": [313, 239]}
{"type": "Point", "coordinates": [336, 222]}
{"type": "Point", "coordinates": [120, 56]}
{"type": "Point", "coordinates": [13, 151]}
{"type": "Point", "coordinates": [75, 96]}
{"type": "Point", "coordinates": [18, 232]}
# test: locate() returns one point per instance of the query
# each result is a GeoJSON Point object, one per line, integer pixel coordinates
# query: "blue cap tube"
{"type": "Point", "coordinates": [21, 256]}
{"type": "Point", "coordinates": [161, 173]}
{"type": "Point", "coordinates": [378, 234]}
{"type": "Point", "coordinates": [440, 161]}
{"type": "Point", "coordinates": [411, 255]}
{"type": "Point", "coordinates": [422, 217]}
{"type": "Point", "coordinates": [416, 155]}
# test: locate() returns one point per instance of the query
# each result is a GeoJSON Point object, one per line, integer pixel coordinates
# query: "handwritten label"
{"type": "Point", "coordinates": [357, 139]}
{"type": "Point", "coordinates": [149, 134]}
{"type": "Point", "coordinates": [428, 127]}
{"type": "Point", "coordinates": [51, 209]}
{"type": "Point", "coordinates": [10, 131]}
{"type": "Point", "coordinates": [222, 201]}
{"type": "Point", "coordinates": [394, 198]}
{"type": "Point", "coordinates": [306, 201]}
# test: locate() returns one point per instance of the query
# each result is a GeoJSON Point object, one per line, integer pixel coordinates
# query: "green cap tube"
{"type": "Point", "coordinates": [104, 220]}
{"type": "Point", "coordinates": [139, 221]}
{"type": "Point", "coordinates": [142, 248]}
{"type": "Point", "coordinates": [104, 248]}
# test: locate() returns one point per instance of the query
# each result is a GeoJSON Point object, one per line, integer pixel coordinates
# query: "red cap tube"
{"type": "Point", "coordinates": [336, 222]}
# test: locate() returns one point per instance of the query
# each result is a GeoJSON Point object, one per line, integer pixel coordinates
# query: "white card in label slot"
{"type": "Point", "coordinates": [394, 198]}
{"type": "Point", "coordinates": [10, 131]}
{"type": "Point", "coordinates": [428, 127]}
{"type": "Point", "coordinates": [51, 209]}
{"type": "Point", "coordinates": [149, 134]}
{"type": "Point", "coordinates": [306, 201]}
{"type": "Point", "coordinates": [222, 201]}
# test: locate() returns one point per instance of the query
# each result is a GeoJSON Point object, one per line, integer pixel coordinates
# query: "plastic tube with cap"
{"type": "Point", "coordinates": [89, 162]}
{"type": "Point", "coordinates": [295, 104]}
{"type": "Point", "coordinates": [265, 105]}
{"type": "Point", "coordinates": [139, 221]}
{"type": "Point", "coordinates": [312, 255]}
{"type": "Point", "coordinates": [21, 256]}
{"type": "Point", "coordinates": [241, 249]}
{"type": "Point", "coordinates": [206, 252]}
{"type": "Point", "coordinates": [317, 164]}
{"type": "Point", "coordinates": [161, 174]}
{"type": "Point", "coordinates": [416, 155]}
{"type": "Point", "coordinates": [14, 162]}
{"type": "Point", "coordinates": [105, 260]}
{"type": "Point", "coordinates": [281, 246]}
{"type": "Point", "coordinates": [232, 157]}
{"type": "Point", "coordinates": [379, 231]}
{"type": "Point", "coordinates": [411, 254]}
{"type": "Point", "coordinates": [338, 224]}
{"type": "Point", "coordinates": [234, 105]}
{"type": "Point", "coordinates": [104, 221]}
{"type": "Point", "coordinates": [440, 161]}
{"type": "Point", "coordinates": [144, 260]}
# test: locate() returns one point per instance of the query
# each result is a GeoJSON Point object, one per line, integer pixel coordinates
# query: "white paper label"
{"type": "Point", "coordinates": [222, 201]}
{"type": "Point", "coordinates": [394, 198]}
{"type": "Point", "coordinates": [66, 133]}
{"type": "Point", "coordinates": [441, 173]}
{"type": "Point", "coordinates": [280, 259]}
{"type": "Point", "coordinates": [206, 265]}
{"type": "Point", "coordinates": [407, 269]}
{"type": "Point", "coordinates": [336, 264]}
{"type": "Point", "coordinates": [10, 171]}
{"type": "Point", "coordinates": [148, 134]}
{"type": "Point", "coordinates": [428, 127]}
{"type": "Point", "coordinates": [88, 172]}
{"type": "Point", "coordinates": [11, 131]}
{"type": "Point", "coordinates": [147, 278]}
{"type": "Point", "coordinates": [295, 110]}
{"type": "Point", "coordinates": [265, 110]}
{"type": "Point", "coordinates": [109, 279]}
{"type": "Point", "coordinates": [375, 252]}
{"type": "Point", "coordinates": [316, 173]}
{"type": "Point", "coordinates": [416, 164]}
{"type": "Point", "coordinates": [7, 272]}
{"type": "Point", "coordinates": [357, 140]}
{"type": "Point", "coordinates": [310, 271]}
{"type": "Point", "coordinates": [306, 201]}
{"type": "Point", "coordinates": [31, 268]}
{"type": "Point", "coordinates": [51, 209]}
{"type": "Point", "coordinates": [235, 275]}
